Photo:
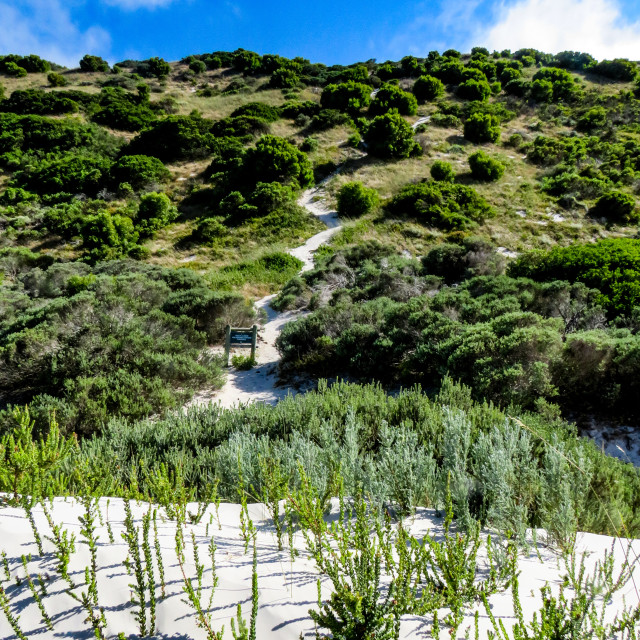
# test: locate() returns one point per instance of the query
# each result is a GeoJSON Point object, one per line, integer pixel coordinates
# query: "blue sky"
{"type": "Point", "coordinates": [330, 32]}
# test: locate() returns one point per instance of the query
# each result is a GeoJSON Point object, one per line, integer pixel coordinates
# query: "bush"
{"type": "Point", "coordinates": [57, 80]}
{"type": "Point", "coordinates": [350, 97]}
{"type": "Point", "coordinates": [481, 127]}
{"type": "Point", "coordinates": [541, 90]}
{"type": "Point", "coordinates": [442, 171]}
{"type": "Point", "coordinates": [390, 97]}
{"type": "Point", "coordinates": [355, 200]}
{"type": "Point", "coordinates": [474, 90]}
{"type": "Point", "coordinates": [257, 110]}
{"type": "Point", "coordinates": [138, 171]}
{"type": "Point", "coordinates": [197, 66]}
{"type": "Point", "coordinates": [440, 204]}
{"type": "Point", "coordinates": [620, 69]}
{"type": "Point", "coordinates": [92, 64]}
{"type": "Point", "coordinates": [484, 167]}
{"type": "Point", "coordinates": [616, 207]}
{"type": "Point", "coordinates": [284, 79]}
{"type": "Point", "coordinates": [155, 212]}
{"type": "Point", "coordinates": [391, 136]}
{"type": "Point", "coordinates": [209, 230]}
{"type": "Point", "coordinates": [594, 118]}
{"type": "Point", "coordinates": [274, 159]}
{"type": "Point", "coordinates": [12, 69]}
{"type": "Point", "coordinates": [427, 88]}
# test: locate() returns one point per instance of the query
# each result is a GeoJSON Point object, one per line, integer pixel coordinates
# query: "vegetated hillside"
{"type": "Point", "coordinates": [142, 204]}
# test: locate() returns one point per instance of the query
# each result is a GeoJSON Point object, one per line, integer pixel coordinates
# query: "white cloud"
{"type": "Point", "coordinates": [593, 26]}
{"type": "Point", "coordinates": [45, 27]}
{"type": "Point", "coordinates": [132, 5]}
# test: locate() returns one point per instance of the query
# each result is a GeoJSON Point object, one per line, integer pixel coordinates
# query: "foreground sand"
{"type": "Point", "coordinates": [287, 590]}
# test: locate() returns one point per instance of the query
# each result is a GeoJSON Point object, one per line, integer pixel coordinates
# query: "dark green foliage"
{"type": "Point", "coordinates": [197, 66]}
{"type": "Point", "coordinates": [391, 136]}
{"type": "Point", "coordinates": [92, 64]}
{"type": "Point", "coordinates": [481, 128]}
{"type": "Point", "coordinates": [155, 212]}
{"type": "Point", "coordinates": [574, 60]}
{"type": "Point", "coordinates": [107, 236]}
{"type": "Point", "coordinates": [617, 207]}
{"type": "Point", "coordinates": [154, 68]}
{"type": "Point", "coordinates": [138, 171]}
{"type": "Point", "coordinates": [30, 64]}
{"type": "Point", "coordinates": [107, 350]}
{"type": "Point", "coordinates": [611, 266]}
{"type": "Point", "coordinates": [38, 102]}
{"type": "Point", "coordinates": [69, 173]}
{"type": "Point", "coordinates": [427, 88]}
{"type": "Point", "coordinates": [329, 118]}
{"type": "Point", "coordinates": [440, 204]}
{"type": "Point", "coordinates": [474, 90]}
{"type": "Point", "coordinates": [274, 159]}
{"type": "Point", "coordinates": [389, 97]}
{"type": "Point", "coordinates": [258, 110]}
{"type": "Point", "coordinates": [442, 171]}
{"type": "Point", "coordinates": [620, 69]}
{"type": "Point", "coordinates": [350, 97]}
{"type": "Point", "coordinates": [12, 69]}
{"type": "Point", "coordinates": [354, 199]}
{"type": "Point", "coordinates": [175, 138]}
{"type": "Point", "coordinates": [121, 110]}
{"type": "Point", "coordinates": [246, 62]}
{"type": "Point", "coordinates": [484, 167]}
{"type": "Point", "coordinates": [541, 90]}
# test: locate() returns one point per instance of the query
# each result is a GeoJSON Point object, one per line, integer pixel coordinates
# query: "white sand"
{"type": "Point", "coordinates": [286, 590]}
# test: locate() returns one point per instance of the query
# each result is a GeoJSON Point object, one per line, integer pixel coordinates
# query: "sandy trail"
{"type": "Point", "coordinates": [259, 383]}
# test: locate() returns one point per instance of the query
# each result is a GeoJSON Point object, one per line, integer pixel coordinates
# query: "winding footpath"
{"type": "Point", "coordinates": [259, 384]}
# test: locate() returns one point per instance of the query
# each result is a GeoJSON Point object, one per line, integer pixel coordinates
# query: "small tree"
{"type": "Point", "coordinates": [482, 127]}
{"type": "Point", "coordinates": [91, 64]}
{"type": "Point", "coordinates": [275, 159]}
{"type": "Point", "coordinates": [354, 199]}
{"type": "Point", "coordinates": [442, 171]}
{"type": "Point", "coordinates": [484, 167]}
{"type": "Point", "coordinates": [390, 97]}
{"type": "Point", "coordinates": [474, 90]}
{"type": "Point", "coordinates": [391, 136]}
{"type": "Point", "coordinates": [427, 88]}
{"type": "Point", "coordinates": [351, 97]}
{"type": "Point", "coordinates": [284, 78]}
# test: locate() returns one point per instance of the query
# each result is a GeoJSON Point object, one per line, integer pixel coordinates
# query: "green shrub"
{"type": "Point", "coordinates": [92, 64]}
{"type": "Point", "coordinates": [442, 171]}
{"type": "Point", "coordinates": [617, 207]}
{"type": "Point", "coordinates": [243, 363]}
{"type": "Point", "coordinates": [485, 168]}
{"type": "Point", "coordinates": [138, 171]}
{"type": "Point", "coordinates": [481, 128]}
{"type": "Point", "coordinates": [197, 66]}
{"type": "Point", "coordinates": [390, 136]}
{"type": "Point", "coordinates": [12, 69]}
{"type": "Point", "coordinates": [440, 204]}
{"type": "Point", "coordinates": [474, 90]}
{"type": "Point", "coordinates": [257, 110]}
{"type": "Point", "coordinates": [620, 69]}
{"type": "Point", "coordinates": [154, 212]}
{"type": "Point", "coordinates": [594, 118]}
{"type": "Point", "coordinates": [209, 230]}
{"type": "Point", "coordinates": [427, 88]}
{"type": "Point", "coordinates": [351, 97]}
{"type": "Point", "coordinates": [389, 97]}
{"type": "Point", "coordinates": [284, 79]}
{"type": "Point", "coordinates": [57, 80]}
{"type": "Point", "coordinates": [541, 90]}
{"type": "Point", "coordinates": [355, 200]}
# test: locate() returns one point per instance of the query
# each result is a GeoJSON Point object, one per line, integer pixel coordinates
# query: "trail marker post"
{"type": "Point", "coordinates": [239, 337]}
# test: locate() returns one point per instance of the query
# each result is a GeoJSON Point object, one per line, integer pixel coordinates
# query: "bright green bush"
{"type": "Point", "coordinates": [485, 168]}
{"type": "Point", "coordinates": [390, 136]}
{"type": "Point", "coordinates": [257, 110]}
{"type": "Point", "coordinates": [284, 79]}
{"type": "Point", "coordinates": [354, 199]}
{"type": "Point", "coordinates": [474, 90]}
{"type": "Point", "coordinates": [481, 128]}
{"type": "Point", "coordinates": [541, 90]}
{"type": "Point", "coordinates": [427, 88]}
{"type": "Point", "coordinates": [442, 171]}
{"type": "Point", "coordinates": [57, 80]}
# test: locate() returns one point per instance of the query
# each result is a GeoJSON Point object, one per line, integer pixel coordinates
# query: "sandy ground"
{"type": "Point", "coordinates": [287, 590]}
{"type": "Point", "coordinates": [259, 383]}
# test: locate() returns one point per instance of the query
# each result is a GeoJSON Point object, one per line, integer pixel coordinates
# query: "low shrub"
{"type": "Point", "coordinates": [355, 200]}
{"type": "Point", "coordinates": [481, 127]}
{"type": "Point", "coordinates": [485, 168]}
{"type": "Point", "coordinates": [442, 171]}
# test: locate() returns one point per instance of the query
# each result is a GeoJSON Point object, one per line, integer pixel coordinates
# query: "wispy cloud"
{"type": "Point", "coordinates": [45, 27]}
{"type": "Point", "coordinates": [132, 5]}
{"type": "Point", "coordinates": [597, 27]}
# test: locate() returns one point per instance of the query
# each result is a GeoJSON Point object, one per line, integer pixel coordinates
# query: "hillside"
{"type": "Point", "coordinates": [455, 237]}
